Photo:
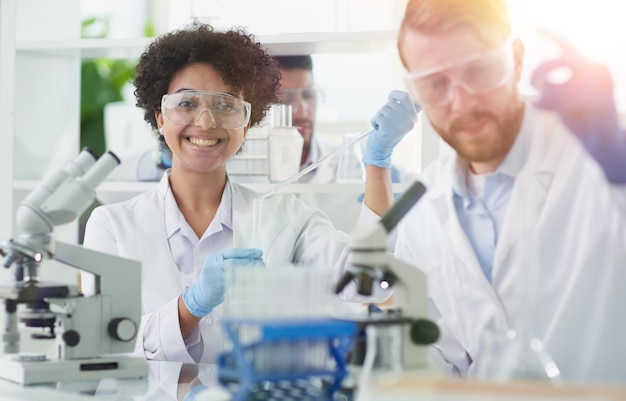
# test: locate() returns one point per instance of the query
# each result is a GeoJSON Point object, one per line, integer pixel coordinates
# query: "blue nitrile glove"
{"type": "Point", "coordinates": [391, 122]}
{"type": "Point", "coordinates": [193, 392]}
{"type": "Point", "coordinates": [166, 157]}
{"type": "Point", "coordinates": [208, 290]}
{"type": "Point", "coordinates": [586, 105]}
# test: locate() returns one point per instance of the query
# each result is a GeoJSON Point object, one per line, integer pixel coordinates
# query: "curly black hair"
{"type": "Point", "coordinates": [242, 63]}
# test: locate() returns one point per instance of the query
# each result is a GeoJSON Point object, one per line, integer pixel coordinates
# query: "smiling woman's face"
{"type": "Point", "coordinates": [200, 147]}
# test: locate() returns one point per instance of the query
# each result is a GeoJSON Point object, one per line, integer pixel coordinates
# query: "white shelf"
{"type": "Point", "coordinates": [43, 50]}
{"type": "Point", "coordinates": [138, 187]}
{"type": "Point", "coordinates": [284, 44]}
{"type": "Point", "coordinates": [119, 191]}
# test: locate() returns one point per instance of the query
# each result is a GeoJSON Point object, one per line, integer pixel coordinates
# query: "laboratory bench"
{"type": "Point", "coordinates": [172, 381]}
{"type": "Point", "coordinates": [415, 386]}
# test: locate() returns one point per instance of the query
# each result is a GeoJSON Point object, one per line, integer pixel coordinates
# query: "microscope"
{"type": "Point", "coordinates": [91, 332]}
{"type": "Point", "coordinates": [369, 265]}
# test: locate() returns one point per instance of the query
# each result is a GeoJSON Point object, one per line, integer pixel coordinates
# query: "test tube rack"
{"type": "Point", "coordinates": [269, 353]}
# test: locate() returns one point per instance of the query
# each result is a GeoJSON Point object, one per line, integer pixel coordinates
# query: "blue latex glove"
{"type": "Point", "coordinates": [586, 105]}
{"type": "Point", "coordinates": [193, 392]}
{"type": "Point", "coordinates": [166, 156]}
{"type": "Point", "coordinates": [391, 122]}
{"type": "Point", "coordinates": [208, 290]}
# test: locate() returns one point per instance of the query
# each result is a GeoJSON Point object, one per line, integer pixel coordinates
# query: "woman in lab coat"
{"type": "Point", "coordinates": [201, 90]}
{"type": "Point", "coordinates": [523, 228]}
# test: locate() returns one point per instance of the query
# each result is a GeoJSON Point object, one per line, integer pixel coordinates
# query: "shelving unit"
{"type": "Point", "coordinates": [283, 44]}
{"type": "Point", "coordinates": [41, 54]}
{"type": "Point", "coordinates": [41, 60]}
{"type": "Point", "coordinates": [40, 99]}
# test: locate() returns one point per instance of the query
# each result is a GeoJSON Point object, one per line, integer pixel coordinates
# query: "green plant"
{"type": "Point", "coordinates": [102, 82]}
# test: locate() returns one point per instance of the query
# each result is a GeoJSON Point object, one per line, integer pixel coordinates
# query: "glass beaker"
{"type": "Point", "coordinates": [350, 167]}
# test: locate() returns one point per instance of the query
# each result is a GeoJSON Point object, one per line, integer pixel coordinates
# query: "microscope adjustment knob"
{"type": "Point", "coordinates": [71, 338]}
{"type": "Point", "coordinates": [424, 332]}
{"type": "Point", "coordinates": [122, 329]}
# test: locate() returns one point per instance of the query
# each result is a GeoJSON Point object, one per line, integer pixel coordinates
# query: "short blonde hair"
{"type": "Point", "coordinates": [489, 19]}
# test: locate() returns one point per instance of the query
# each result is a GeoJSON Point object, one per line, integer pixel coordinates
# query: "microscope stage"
{"type": "Point", "coordinates": [52, 371]}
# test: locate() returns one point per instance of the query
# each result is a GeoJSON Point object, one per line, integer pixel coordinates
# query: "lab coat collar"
{"type": "Point", "coordinates": [174, 218]}
{"type": "Point", "coordinates": [511, 165]}
{"type": "Point", "coordinates": [532, 163]}
{"type": "Point", "coordinates": [524, 160]}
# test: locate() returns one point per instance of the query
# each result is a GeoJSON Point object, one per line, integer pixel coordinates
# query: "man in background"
{"type": "Point", "coordinates": [298, 89]}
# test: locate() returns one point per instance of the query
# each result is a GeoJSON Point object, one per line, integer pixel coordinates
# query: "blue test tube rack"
{"type": "Point", "coordinates": [238, 365]}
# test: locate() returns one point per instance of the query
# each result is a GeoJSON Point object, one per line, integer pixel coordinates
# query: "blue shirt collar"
{"type": "Point", "coordinates": [511, 165]}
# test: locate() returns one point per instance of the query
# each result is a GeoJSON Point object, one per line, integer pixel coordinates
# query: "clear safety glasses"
{"type": "Point", "coordinates": [476, 74]}
{"type": "Point", "coordinates": [224, 110]}
{"type": "Point", "coordinates": [294, 97]}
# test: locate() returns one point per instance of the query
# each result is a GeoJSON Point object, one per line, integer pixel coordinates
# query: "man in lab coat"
{"type": "Point", "coordinates": [522, 232]}
{"type": "Point", "coordinates": [298, 89]}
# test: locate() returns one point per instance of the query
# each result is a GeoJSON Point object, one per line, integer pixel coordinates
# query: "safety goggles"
{"type": "Point", "coordinates": [187, 107]}
{"type": "Point", "coordinates": [294, 97]}
{"type": "Point", "coordinates": [479, 73]}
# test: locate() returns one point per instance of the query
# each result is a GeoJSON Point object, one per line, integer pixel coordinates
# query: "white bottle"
{"type": "Point", "coordinates": [285, 145]}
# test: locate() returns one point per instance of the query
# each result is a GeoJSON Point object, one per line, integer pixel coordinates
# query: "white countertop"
{"type": "Point", "coordinates": [166, 382]}
{"type": "Point", "coordinates": [412, 386]}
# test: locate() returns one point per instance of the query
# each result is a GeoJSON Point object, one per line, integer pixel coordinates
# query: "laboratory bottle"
{"type": "Point", "coordinates": [285, 145]}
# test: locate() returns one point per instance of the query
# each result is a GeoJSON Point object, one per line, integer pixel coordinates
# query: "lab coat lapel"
{"type": "Point", "coordinates": [473, 301]}
{"type": "Point", "coordinates": [527, 201]}
{"type": "Point", "coordinates": [460, 245]}
{"type": "Point", "coordinates": [528, 198]}
{"type": "Point", "coordinates": [243, 217]}
{"type": "Point", "coordinates": [160, 267]}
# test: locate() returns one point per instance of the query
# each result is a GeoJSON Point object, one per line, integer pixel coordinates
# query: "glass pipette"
{"type": "Point", "coordinates": [257, 206]}
{"type": "Point", "coordinates": [313, 166]}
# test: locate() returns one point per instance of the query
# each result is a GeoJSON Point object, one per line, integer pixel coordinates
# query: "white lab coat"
{"type": "Point", "coordinates": [292, 232]}
{"type": "Point", "coordinates": [577, 225]}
